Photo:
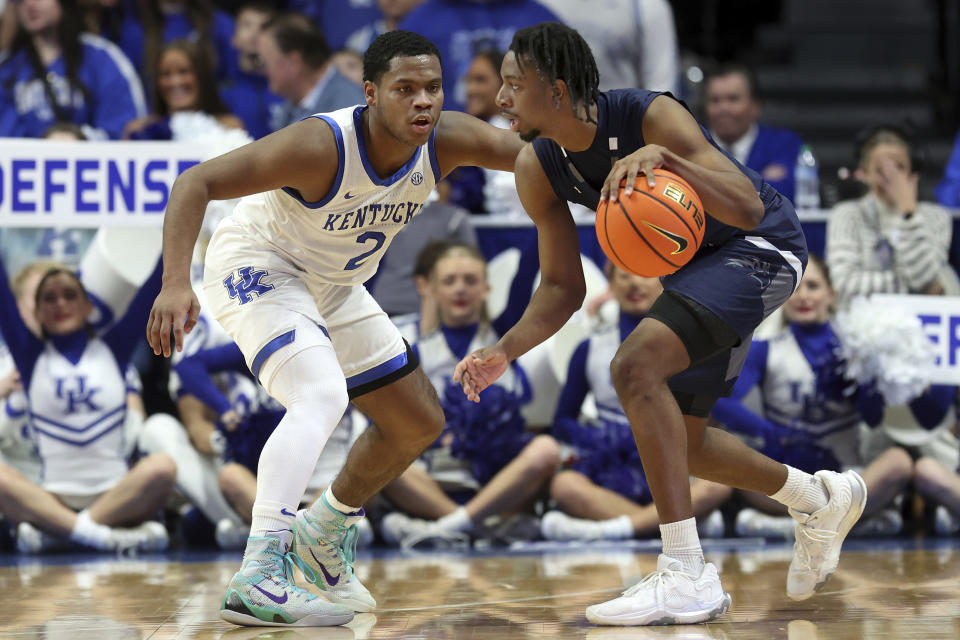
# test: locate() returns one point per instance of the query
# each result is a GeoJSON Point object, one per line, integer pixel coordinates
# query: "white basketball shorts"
{"type": "Point", "coordinates": [272, 310]}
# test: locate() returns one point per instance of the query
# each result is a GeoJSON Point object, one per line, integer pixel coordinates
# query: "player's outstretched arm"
{"type": "Point", "coordinates": [463, 140]}
{"type": "Point", "coordinates": [302, 156]}
{"type": "Point", "coordinates": [676, 143]}
{"type": "Point", "coordinates": [561, 289]}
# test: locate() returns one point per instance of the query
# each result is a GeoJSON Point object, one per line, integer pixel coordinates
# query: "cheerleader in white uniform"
{"type": "Point", "coordinates": [485, 456]}
{"type": "Point", "coordinates": [77, 405]}
{"type": "Point", "coordinates": [811, 412]}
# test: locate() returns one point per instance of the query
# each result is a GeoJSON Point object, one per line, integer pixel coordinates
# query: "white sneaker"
{"type": "Point", "coordinates": [556, 525]}
{"type": "Point", "coordinates": [711, 526]}
{"type": "Point", "coordinates": [33, 540]}
{"type": "Point", "coordinates": [819, 535]}
{"type": "Point", "coordinates": [944, 523]}
{"type": "Point", "coordinates": [752, 523]}
{"type": "Point", "coordinates": [401, 530]}
{"type": "Point", "coordinates": [888, 522]}
{"type": "Point", "coordinates": [231, 535]}
{"type": "Point", "coordinates": [146, 536]}
{"type": "Point", "coordinates": [669, 595]}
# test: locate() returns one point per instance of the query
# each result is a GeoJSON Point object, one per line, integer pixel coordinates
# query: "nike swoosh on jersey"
{"type": "Point", "coordinates": [347, 196]}
{"type": "Point", "coordinates": [680, 241]}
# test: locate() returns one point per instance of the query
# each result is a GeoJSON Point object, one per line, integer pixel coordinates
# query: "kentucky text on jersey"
{"type": "Point", "coordinates": [398, 213]}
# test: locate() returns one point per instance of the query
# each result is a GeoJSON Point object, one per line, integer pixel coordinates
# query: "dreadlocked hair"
{"type": "Point", "coordinates": [560, 53]}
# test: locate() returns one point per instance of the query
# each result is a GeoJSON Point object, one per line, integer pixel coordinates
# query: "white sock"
{"type": "Point", "coordinates": [802, 491]}
{"type": "Point", "coordinates": [319, 509]}
{"type": "Point", "coordinates": [90, 533]}
{"type": "Point", "coordinates": [457, 521]}
{"type": "Point", "coordinates": [681, 542]}
{"type": "Point", "coordinates": [272, 519]}
{"type": "Point", "coordinates": [619, 528]}
{"type": "Point", "coordinates": [311, 387]}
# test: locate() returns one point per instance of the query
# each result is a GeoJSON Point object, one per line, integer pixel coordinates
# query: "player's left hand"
{"type": "Point", "coordinates": [478, 370]}
{"type": "Point", "coordinates": [644, 160]}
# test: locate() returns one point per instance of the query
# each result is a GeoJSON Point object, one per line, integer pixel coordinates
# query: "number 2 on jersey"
{"type": "Point", "coordinates": [378, 238]}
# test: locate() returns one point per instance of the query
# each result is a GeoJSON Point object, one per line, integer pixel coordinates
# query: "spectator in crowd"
{"type": "Point", "coordinates": [426, 318]}
{"type": "Point", "coordinates": [297, 64]}
{"type": "Point", "coordinates": [810, 412]}
{"type": "Point", "coordinates": [461, 28]}
{"type": "Point", "coordinates": [76, 391]}
{"type": "Point", "coordinates": [183, 83]}
{"type": "Point", "coordinates": [350, 64]}
{"type": "Point", "coordinates": [391, 13]}
{"type": "Point", "coordinates": [156, 23]}
{"type": "Point", "coordinates": [733, 110]}
{"type": "Point", "coordinates": [497, 189]}
{"type": "Point", "coordinates": [637, 49]}
{"type": "Point", "coordinates": [55, 73]}
{"type": "Point", "coordinates": [247, 94]}
{"type": "Point", "coordinates": [394, 285]}
{"type": "Point", "coordinates": [485, 448]}
{"type": "Point", "coordinates": [888, 241]}
{"type": "Point", "coordinates": [602, 492]}
{"type": "Point", "coordinates": [948, 189]}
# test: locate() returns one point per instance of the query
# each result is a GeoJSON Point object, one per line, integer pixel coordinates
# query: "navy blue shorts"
{"type": "Point", "coordinates": [733, 287]}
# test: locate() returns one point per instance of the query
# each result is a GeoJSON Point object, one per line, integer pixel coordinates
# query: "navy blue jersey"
{"type": "Point", "coordinates": [619, 118]}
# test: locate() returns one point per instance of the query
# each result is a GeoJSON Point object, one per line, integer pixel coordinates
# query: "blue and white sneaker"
{"type": "Point", "coordinates": [263, 593]}
{"type": "Point", "coordinates": [328, 546]}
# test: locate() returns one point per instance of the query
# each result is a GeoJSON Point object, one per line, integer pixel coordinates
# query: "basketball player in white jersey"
{"type": "Point", "coordinates": [283, 277]}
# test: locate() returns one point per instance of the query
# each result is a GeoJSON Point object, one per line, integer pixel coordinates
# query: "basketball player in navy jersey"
{"type": "Point", "coordinates": [689, 348]}
{"type": "Point", "coordinates": [283, 276]}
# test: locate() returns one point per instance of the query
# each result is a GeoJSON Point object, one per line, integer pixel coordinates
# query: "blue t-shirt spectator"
{"type": "Point", "coordinates": [111, 94]}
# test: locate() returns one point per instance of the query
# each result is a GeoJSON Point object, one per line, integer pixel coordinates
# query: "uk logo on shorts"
{"type": "Point", "coordinates": [249, 284]}
{"type": "Point", "coordinates": [416, 178]}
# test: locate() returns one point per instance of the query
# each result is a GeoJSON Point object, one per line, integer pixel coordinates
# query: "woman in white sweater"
{"type": "Point", "coordinates": [887, 241]}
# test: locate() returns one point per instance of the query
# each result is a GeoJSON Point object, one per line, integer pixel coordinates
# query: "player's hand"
{"type": "Point", "coordinates": [898, 184]}
{"type": "Point", "coordinates": [177, 308]}
{"type": "Point", "coordinates": [644, 160]}
{"type": "Point", "coordinates": [479, 369]}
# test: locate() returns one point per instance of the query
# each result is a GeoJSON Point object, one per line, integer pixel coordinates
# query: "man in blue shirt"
{"type": "Point", "coordinates": [733, 111]}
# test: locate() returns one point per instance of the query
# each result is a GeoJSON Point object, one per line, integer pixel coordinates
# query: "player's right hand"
{"type": "Point", "coordinates": [478, 370]}
{"type": "Point", "coordinates": [176, 308]}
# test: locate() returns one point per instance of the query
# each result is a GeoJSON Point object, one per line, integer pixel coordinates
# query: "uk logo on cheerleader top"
{"type": "Point", "coordinates": [249, 284]}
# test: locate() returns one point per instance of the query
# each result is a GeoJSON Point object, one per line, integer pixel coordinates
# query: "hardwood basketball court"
{"type": "Point", "coordinates": [895, 589]}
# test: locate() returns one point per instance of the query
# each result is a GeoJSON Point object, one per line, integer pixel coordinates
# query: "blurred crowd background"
{"type": "Point", "coordinates": [849, 108]}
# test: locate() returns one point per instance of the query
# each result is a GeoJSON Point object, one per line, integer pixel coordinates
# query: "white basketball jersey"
{"type": "Point", "coordinates": [603, 346]}
{"type": "Point", "coordinates": [341, 238]}
{"type": "Point", "coordinates": [789, 398]}
{"type": "Point", "coordinates": [77, 414]}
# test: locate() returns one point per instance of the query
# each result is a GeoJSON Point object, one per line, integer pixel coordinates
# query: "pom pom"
{"type": "Point", "coordinates": [886, 345]}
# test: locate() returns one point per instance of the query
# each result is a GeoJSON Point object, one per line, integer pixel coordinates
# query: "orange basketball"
{"type": "Point", "coordinates": [653, 231]}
